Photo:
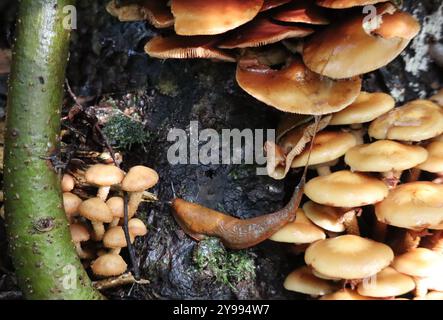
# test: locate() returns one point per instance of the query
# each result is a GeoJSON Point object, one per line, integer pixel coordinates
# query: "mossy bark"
{"type": "Point", "coordinates": [44, 257]}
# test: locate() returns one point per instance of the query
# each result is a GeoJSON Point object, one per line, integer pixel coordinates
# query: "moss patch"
{"type": "Point", "coordinates": [123, 132]}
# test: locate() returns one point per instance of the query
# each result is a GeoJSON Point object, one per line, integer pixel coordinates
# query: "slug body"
{"type": "Point", "coordinates": [198, 222]}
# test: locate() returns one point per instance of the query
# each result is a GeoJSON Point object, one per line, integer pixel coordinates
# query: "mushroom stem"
{"type": "Point", "coordinates": [392, 178]}
{"type": "Point", "coordinates": [103, 192]}
{"type": "Point", "coordinates": [414, 175]}
{"type": "Point", "coordinates": [350, 221]}
{"type": "Point", "coordinates": [380, 230]}
{"type": "Point", "coordinates": [99, 230]}
{"type": "Point", "coordinates": [114, 222]}
{"type": "Point", "coordinates": [115, 251]}
{"type": "Point", "coordinates": [421, 287]}
{"type": "Point", "coordinates": [358, 133]}
{"type": "Point", "coordinates": [324, 170]}
{"type": "Point", "coordinates": [81, 253]}
{"type": "Point", "coordinates": [408, 240]}
{"type": "Point", "coordinates": [439, 178]}
{"type": "Point", "coordinates": [134, 201]}
{"type": "Point", "coordinates": [434, 242]}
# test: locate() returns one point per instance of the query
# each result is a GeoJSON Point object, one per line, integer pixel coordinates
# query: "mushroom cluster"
{"type": "Point", "coordinates": [372, 226]}
{"type": "Point", "coordinates": [96, 220]}
{"type": "Point", "coordinates": [302, 57]}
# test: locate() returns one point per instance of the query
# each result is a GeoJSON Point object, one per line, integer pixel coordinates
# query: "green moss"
{"type": "Point", "coordinates": [168, 88]}
{"type": "Point", "coordinates": [123, 132]}
{"type": "Point", "coordinates": [228, 267]}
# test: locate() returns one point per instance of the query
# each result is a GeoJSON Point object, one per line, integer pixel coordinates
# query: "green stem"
{"type": "Point", "coordinates": [44, 257]}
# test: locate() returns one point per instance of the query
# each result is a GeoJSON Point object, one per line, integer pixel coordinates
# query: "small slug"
{"type": "Point", "coordinates": [198, 222]}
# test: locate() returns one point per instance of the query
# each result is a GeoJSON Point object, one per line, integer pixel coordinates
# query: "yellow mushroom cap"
{"type": "Point", "coordinates": [328, 218]}
{"type": "Point", "coordinates": [115, 238]}
{"type": "Point", "coordinates": [434, 163]}
{"type": "Point", "coordinates": [419, 262]}
{"type": "Point", "coordinates": [104, 175]}
{"type": "Point", "coordinates": [116, 204]}
{"type": "Point", "coordinates": [367, 107]}
{"type": "Point", "coordinates": [348, 257]}
{"type": "Point", "coordinates": [208, 17]}
{"type": "Point", "coordinates": [137, 227]}
{"type": "Point", "coordinates": [414, 205]}
{"type": "Point", "coordinates": [295, 89]}
{"type": "Point", "coordinates": [343, 4]}
{"type": "Point", "coordinates": [345, 294]}
{"type": "Point", "coordinates": [384, 156]}
{"type": "Point", "coordinates": [416, 121]}
{"type": "Point", "coordinates": [95, 209]}
{"type": "Point", "coordinates": [302, 280]}
{"type": "Point", "coordinates": [300, 231]}
{"type": "Point", "coordinates": [327, 146]}
{"type": "Point", "coordinates": [79, 232]}
{"type": "Point", "coordinates": [301, 12]}
{"type": "Point", "coordinates": [178, 47]}
{"type": "Point", "coordinates": [346, 49]}
{"type": "Point", "coordinates": [139, 178]}
{"type": "Point", "coordinates": [346, 189]}
{"type": "Point", "coordinates": [68, 183]}
{"type": "Point", "coordinates": [386, 283]}
{"type": "Point", "coordinates": [109, 265]}
{"type": "Point", "coordinates": [71, 203]}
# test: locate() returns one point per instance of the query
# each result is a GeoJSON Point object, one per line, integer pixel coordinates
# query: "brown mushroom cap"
{"type": "Point", "coordinates": [419, 262]}
{"type": "Point", "coordinates": [209, 17]}
{"type": "Point", "coordinates": [271, 4]}
{"type": "Point", "coordinates": [139, 178]}
{"type": "Point", "coordinates": [109, 265]}
{"type": "Point", "coordinates": [68, 183]}
{"type": "Point", "coordinates": [300, 231]}
{"type": "Point", "coordinates": [346, 49]}
{"type": "Point", "coordinates": [346, 189]}
{"type": "Point", "coordinates": [327, 146]}
{"type": "Point", "coordinates": [367, 107]}
{"type": "Point", "coordinates": [177, 47]}
{"type": "Point", "coordinates": [434, 163]}
{"type": "Point", "coordinates": [79, 232]}
{"type": "Point", "coordinates": [348, 257]}
{"type": "Point", "coordinates": [414, 205]}
{"type": "Point", "coordinates": [387, 283]}
{"type": "Point", "coordinates": [137, 227]}
{"type": "Point", "coordinates": [301, 12]}
{"type": "Point", "coordinates": [104, 175]}
{"type": "Point", "coordinates": [71, 203]}
{"type": "Point", "coordinates": [302, 280]}
{"type": "Point", "coordinates": [158, 13]}
{"type": "Point", "coordinates": [328, 218]}
{"type": "Point", "coordinates": [384, 156]}
{"type": "Point", "coordinates": [295, 89]}
{"type": "Point", "coordinates": [345, 294]}
{"type": "Point", "coordinates": [130, 12]}
{"type": "Point", "coordinates": [116, 204]}
{"type": "Point", "coordinates": [95, 209]}
{"type": "Point", "coordinates": [115, 238]}
{"type": "Point", "coordinates": [416, 121]}
{"type": "Point", "coordinates": [262, 31]}
{"type": "Point", "coordinates": [343, 4]}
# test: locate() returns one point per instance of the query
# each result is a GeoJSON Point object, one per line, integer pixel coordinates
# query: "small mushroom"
{"type": "Point", "coordinates": [262, 32]}
{"type": "Point", "coordinates": [158, 13]}
{"type": "Point", "coordinates": [138, 179]}
{"type": "Point", "coordinates": [346, 190]}
{"type": "Point", "coordinates": [137, 227]}
{"type": "Point", "coordinates": [295, 89]}
{"type": "Point", "coordinates": [347, 49]}
{"type": "Point", "coordinates": [302, 280]}
{"type": "Point", "coordinates": [68, 183]}
{"type": "Point", "coordinates": [301, 12]}
{"type": "Point", "coordinates": [345, 294]}
{"type": "Point", "coordinates": [109, 265]}
{"type": "Point", "coordinates": [104, 176]}
{"type": "Point", "coordinates": [79, 234]}
{"type": "Point", "coordinates": [178, 47]}
{"type": "Point", "coordinates": [96, 210]}
{"type": "Point", "coordinates": [114, 239]}
{"type": "Point", "coordinates": [434, 163]}
{"type": "Point", "coordinates": [416, 121]}
{"type": "Point", "coordinates": [348, 257]}
{"type": "Point", "coordinates": [328, 218]}
{"type": "Point", "coordinates": [299, 231]}
{"type": "Point", "coordinates": [387, 157]}
{"type": "Point", "coordinates": [327, 146]}
{"type": "Point", "coordinates": [387, 283]}
{"type": "Point", "coordinates": [209, 17]}
{"type": "Point", "coordinates": [71, 204]}
{"type": "Point", "coordinates": [130, 12]}
{"type": "Point", "coordinates": [116, 204]}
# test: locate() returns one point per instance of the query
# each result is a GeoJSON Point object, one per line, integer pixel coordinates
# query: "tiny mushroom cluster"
{"type": "Point", "coordinates": [96, 220]}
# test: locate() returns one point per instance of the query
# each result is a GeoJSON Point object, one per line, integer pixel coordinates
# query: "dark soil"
{"type": "Point", "coordinates": [107, 60]}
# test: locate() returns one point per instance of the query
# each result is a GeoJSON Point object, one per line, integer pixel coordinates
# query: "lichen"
{"type": "Point", "coordinates": [228, 267]}
{"type": "Point", "coordinates": [123, 132]}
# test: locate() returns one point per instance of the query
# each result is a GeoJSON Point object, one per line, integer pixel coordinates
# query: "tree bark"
{"type": "Point", "coordinates": [44, 257]}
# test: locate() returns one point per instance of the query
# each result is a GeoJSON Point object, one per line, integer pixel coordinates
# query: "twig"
{"type": "Point", "coordinates": [113, 282]}
{"type": "Point", "coordinates": [131, 250]}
